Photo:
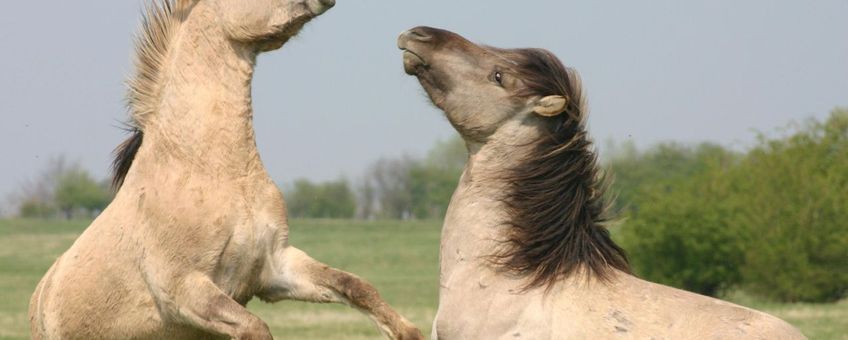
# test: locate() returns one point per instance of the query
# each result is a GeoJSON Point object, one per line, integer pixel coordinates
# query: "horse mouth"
{"type": "Point", "coordinates": [413, 63]}
{"type": "Point", "coordinates": [283, 33]}
{"type": "Point", "coordinates": [293, 27]}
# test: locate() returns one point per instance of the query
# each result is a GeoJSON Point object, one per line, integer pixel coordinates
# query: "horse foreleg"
{"type": "Point", "coordinates": [199, 303]}
{"type": "Point", "coordinates": [297, 276]}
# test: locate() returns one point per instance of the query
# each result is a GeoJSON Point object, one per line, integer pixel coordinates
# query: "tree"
{"type": "Point", "coordinates": [433, 181]}
{"type": "Point", "coordinates": [409, 187]}
{"type": "Point", "coordinates": [450, 154]}
{"type": "Point", "coordinates": [62, 187]}
{"type": "Point", "coordinates": [796, 194]}
{"type": "Point", "coordinates": [389, 182]}
{"type": "Point", "coordinates": [332, 199]}
{"type": "Point", "coordinates": [366, 198]}
{"type": "Point", "coordinates": [678, 231]}
{"type": "Point", "coordinates": [32, 208]}
{"type": "Point", "coordinates": [771, 221]}
{"type": "Point", "coordinates": [431, 188]}
{"type": "Point", "coordinates": [76, 190]}
{"type": "Point", "coordinates": [666, 162]}
{"type": "Point", "coordinates": [36, 198]}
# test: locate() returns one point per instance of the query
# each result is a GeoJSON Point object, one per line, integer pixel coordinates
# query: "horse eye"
{"type": "Point", "coordinates": [499, 78]}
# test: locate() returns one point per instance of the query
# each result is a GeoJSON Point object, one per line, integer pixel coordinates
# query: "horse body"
{"type": "Point", "coordinates": [478, 300]}
{"type": "Point", "coordinates": [125, 279]}
{"type": "Point", "coordinates": [630, 308]}
{"type": "Point", "coordinates": [198, 228]}
{"type": "Point", "coordinates": [524, 249]}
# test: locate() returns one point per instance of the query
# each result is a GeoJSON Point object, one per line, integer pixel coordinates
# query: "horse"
{"type": "Point", "coordinates": [197, 227]}
{"type": "Point", "coordinates": [525, 249]}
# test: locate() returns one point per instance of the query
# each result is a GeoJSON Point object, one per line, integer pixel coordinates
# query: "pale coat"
{"type": "Point", "coordinates": [198, 228]}
{"type": "Point", "coordinates": [504, 103]}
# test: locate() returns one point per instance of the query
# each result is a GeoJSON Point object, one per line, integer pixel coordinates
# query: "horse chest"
{"type": "Point", "coordinates": [246, 252]}
{"type": "Point", "coordinates": [478, 304]}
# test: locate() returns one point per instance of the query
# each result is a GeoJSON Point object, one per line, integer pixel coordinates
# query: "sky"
{"type": "Point", "coordinates": [335, 99]}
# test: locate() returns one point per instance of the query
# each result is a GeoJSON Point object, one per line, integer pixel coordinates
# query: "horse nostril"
{"type": "Point", "coordinates": [320, 6]}
{"type": "Point", "coordinates": [420, 34]}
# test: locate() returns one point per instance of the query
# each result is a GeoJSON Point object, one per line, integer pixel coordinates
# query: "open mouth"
{"type": "Point", "coordinates": [412, 62]}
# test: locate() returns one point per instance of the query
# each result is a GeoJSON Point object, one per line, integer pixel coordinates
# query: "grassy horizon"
{"type": "Point", "coordinates": [400, 258]}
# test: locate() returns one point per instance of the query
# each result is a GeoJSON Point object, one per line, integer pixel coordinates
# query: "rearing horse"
{"type": "Point", "coordinates": [197, 228]}
{"type": "Point", "coordinates": [524, 250]}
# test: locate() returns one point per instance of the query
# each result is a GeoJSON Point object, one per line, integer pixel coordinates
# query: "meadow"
{"type": "Point", "coordinates": [399, 258]}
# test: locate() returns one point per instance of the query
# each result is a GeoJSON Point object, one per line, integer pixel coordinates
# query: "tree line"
{"type": "Point", "coordinates": [772, 220]}
{"type": "Point", "coordinates": [392, 188]}
{"type": "Point", "coordinates": [701, 217]}
{"type": "Point", "coordinates": [64, 189]}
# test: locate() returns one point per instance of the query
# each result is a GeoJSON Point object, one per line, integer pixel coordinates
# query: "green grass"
{"type": "Point", "coordinates": [816, 320]}
{"type": "Point", "coordinates": [399, 258]}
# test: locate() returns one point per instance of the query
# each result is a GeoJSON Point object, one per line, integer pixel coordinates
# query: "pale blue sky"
{"type": "Point", "coordinates": [655, 70]}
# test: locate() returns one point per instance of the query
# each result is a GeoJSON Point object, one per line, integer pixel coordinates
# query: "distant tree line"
{"type": "Point", "coordinates": [65, 190]}
{"type": "Point", "coordinates": [773, 220]}
{"type": "Point", "coordinates": [333, 199]}
{"type": "Point", "coordinates": [392, 188]}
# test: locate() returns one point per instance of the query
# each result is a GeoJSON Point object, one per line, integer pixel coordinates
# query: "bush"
{"type": "Point", "coordinates": [76, 190]}
{"type": "Point", "coordinates": [332, 199]}
{"type": "Point", "coordinates": [773, 221]}
{"type": "Point", "coordinates": [36, 209]}
{"type": "Point", "coordinates": [796, 192]}
{"type": "Point", "coordinates": [431, 189]}
{"type": "Point", "coordinates": [413, 188]}
{"type": "Point", "coordinates": [680, 234]}
{"type": "Point", "coordinates": [666, 162]}
{"type": "Point", "coordinates": [63, 187]}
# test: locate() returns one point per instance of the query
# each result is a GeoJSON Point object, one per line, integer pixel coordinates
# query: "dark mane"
{"type": "Point", "coordinates": [555, 198]}
{"type": "Point", "coordinates": [124, 156]}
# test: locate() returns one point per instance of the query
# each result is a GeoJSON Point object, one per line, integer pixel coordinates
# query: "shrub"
{"type": "Point", "coordinates": [76, 190]}
{"type": "Point", "coordinates": [680, 234]}
{"type": "Point", "coordinates": [36, 209]}
{"type": "Point", "coordinates": [773, 221]}
{"type": "Point", "coordinates": [332, 199]}
{"type": "Point", "coordinates": [796, 193]}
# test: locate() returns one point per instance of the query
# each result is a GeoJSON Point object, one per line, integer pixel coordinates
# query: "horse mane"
{"type": "Point", "coordinates": [556, 205]}
{"type": "Point", "coordinates": [160, 21]}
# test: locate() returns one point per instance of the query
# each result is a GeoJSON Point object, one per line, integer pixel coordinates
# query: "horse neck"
{"type": "Point", "coordinates": [474, 223]}
{"type": "Point", "coordinates": [204, 119]}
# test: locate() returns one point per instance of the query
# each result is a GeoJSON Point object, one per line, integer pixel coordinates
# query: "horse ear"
{"type": "Point", "coordinates": [551, 105]}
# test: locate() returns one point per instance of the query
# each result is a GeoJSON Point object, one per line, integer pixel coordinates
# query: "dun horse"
{"type": "Point", "coordinates": [197, 228]}
{"type": "Point", "coordinates": [524, 250]}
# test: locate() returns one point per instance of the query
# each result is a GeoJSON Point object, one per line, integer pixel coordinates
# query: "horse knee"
{"type": "Point", "coordinates": [359, 292]}
{"type": "Point", "coordinates": [256, 330]}
{"type": "Point", "coordinates": [410, 332]}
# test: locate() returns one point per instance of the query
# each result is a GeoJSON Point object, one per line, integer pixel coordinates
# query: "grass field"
{"type": "Point", "coordinates": [399, 258]}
